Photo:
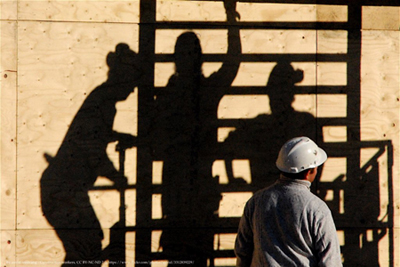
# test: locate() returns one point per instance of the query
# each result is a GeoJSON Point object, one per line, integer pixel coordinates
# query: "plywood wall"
{"type": "Point", "coordinates": [379, 88]}
{"type": "Point", "coordinates": [53, 54]}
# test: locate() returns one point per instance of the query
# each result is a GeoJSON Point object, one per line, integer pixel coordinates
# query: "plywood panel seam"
{"type": "Point", "coordinates": [16, 128]}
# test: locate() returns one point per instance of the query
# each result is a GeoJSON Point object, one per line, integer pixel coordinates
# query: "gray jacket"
{"type": "Point", "coordinates": [287, 225]}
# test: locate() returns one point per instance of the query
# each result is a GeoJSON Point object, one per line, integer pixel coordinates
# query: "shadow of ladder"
{"type": "Point", "coordinates": [115, 251]}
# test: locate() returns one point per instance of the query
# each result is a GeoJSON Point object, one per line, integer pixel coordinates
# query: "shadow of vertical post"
{"type": "Point", "coordinates": [145, 224]}
{"type": "Point", "coordinates": [390, 204]}
{"type": "Point", "coordinates": [144, 161]}
{"type": "Point", "coordinates": [118, 231]}
{"type": "Point", "coordinates": [352, 237]}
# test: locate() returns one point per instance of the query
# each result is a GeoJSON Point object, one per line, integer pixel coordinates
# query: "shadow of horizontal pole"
{"type": "Point", "coordinates": [324, 2]}
{"type": "Point", "coordinates": [293, 57]}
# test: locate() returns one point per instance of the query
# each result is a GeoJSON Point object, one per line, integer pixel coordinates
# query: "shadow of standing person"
{"type": "Point", "coordinates": [82, 158]}
{"type": "Point", "coordinates": [259, 139]}
{"type": "Point", "coordinates": [186, 141]}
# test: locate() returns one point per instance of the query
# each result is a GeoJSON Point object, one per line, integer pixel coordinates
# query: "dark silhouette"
{"type": "Point", "coordinates": [186, 142]}
{"type": "Point", "coordinates": [361, 204]}
{"type": "Point", "coordinates": [82, 157]}
{"type": "Point", "coordinates": [348, 192]}
{"type": "Point", "coordinates": [259, 139]}
{"type": "Point", "coordinates": [185, 129]}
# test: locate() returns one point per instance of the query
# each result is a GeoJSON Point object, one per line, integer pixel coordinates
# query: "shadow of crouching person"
{"type": "Point", "coordinates": [82, 157]}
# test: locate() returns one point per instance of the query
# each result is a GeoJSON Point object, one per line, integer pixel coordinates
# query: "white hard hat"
{"type": "Point", "coordinates": [299, 154]}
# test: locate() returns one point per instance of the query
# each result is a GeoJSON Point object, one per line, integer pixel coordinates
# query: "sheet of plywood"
{"type": "Point", "coordinates": [380, 84]}
{"type": "Point", "coordinates": [380, 96]}
{"type": "Point", "coordinates": [59, 65]}
{"type": "Point", "coordinates": [8, 123]}
{"type": "Point", "coordinates": [62, 46]}
{"type": "Point", "coordinates": [44, 248]}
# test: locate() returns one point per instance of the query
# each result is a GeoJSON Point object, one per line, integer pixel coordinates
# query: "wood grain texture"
{"type": "Point", "coordinates": [331, 73]}
{"type": "Point", "coordinates": [332, 13]}
{"type": "Point", "coordinates": [253, 74]}
{"type": "Point", "coordinates": [332, 41]}
{"type": "Point", "coordinates": [62, 48]}
{"type": "Point", "coordinates": [243, 107]}
{"type": "Point", "coordinates": [334, 168]}
{"type": "Point", "coordinates": [249, 12]}
{"type": "Point", "coordinates": [225, 261]}
{"type": "Point", "coordinates": [380, 95]}
{"type": "Point", "coordinates": [335, 133]}
{"type": "Point", "coordinates": [224, 241]}
{"type": "Point", "coordinates": [278, 41]}
{"type": "Point", "coordinates": [276, 12]}
{"type": "Point", "coordinates": [232, 204]}
{"type": "Point", "coordinates": [258, 73]}
{"type": "Point", "coordinates": [38, 247]}
{"type": "Point", "coordinates": [7, 248]}
{"type": "Point", "coordinates": [381, 18]}
{"type": "Point", "coordinates": [396, 234]}
{"type": "Point", "coordinates": [81, 11]}
{"type": "Point", "coordinates": [106, 205]}
{"type": "Point", "coordinates": [380, 81]}
{"type": "Point", "coordinates": [43, 248]}
{"type": "Point", "coordinates": [211, 41]}
{"type": "Point", "coordinates": [332, 106]}
{"type": "Point", "coordinates": [8, 87]}
{"type": "Point", "coordinates": [190, 11]}
{"type": "Point", "coordinates": [8, 10]}
{"type": "Point", "coordinates": [130, 246]}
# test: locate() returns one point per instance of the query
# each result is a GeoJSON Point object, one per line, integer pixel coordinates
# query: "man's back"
{"type": "Point", "coordinates": [287, 225]}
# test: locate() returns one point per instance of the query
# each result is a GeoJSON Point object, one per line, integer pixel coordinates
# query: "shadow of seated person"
{"type": "Point", "coordinates": [82, 158]}
{"type": "Point", "coordinates": [259, 139]}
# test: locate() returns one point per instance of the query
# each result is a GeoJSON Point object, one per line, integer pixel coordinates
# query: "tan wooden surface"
{"type": "Point", "coordinates": [80, 11]}
{"type": "Point", "coordinates": [8, 244]}
{"type": "Point", "coordinates": [380, 95]}
{"type": "Point", "coordinates": [8, 89]}
{"type": "Point", "coordinates": [53, 54]}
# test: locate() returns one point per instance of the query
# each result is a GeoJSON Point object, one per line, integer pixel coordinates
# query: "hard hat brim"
{"type": "Point", "coordinates": [322, 157]}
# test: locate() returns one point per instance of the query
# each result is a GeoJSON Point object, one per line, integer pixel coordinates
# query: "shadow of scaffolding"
{"type": "Point", "coordinates": [362, 210]}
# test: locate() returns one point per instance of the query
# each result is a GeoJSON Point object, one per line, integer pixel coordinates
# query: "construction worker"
{"type": "Point", "coordinates": [285, 224]}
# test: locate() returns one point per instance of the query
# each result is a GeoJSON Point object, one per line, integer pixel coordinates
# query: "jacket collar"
{"type": "Point", "coordinates": [286, 180]}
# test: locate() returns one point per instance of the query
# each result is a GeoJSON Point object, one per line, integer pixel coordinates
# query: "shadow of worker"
{"type": "Point", "coordinates": [82, 158]}
{"type": "Point", "coordinates": [260, 139]}
{"type": "Point", "coordinates": [185, 128]}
